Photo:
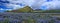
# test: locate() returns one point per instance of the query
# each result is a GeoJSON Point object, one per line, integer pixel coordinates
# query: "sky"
{"type": "Point", "coordinates": [34, 4]}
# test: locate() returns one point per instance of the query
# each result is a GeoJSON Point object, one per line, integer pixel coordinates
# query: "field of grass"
{"type": "Point", "coordinates": [9, 17]}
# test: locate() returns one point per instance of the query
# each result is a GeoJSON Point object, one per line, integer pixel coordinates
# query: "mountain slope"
{"type": "Point", "coordinates": [25, 9]}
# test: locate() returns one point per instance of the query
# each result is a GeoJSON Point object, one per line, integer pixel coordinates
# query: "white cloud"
{"type": "Point", "coordinates": [14, 2]}
{"type": "Point", "coordinates": [52, 5]}
{"type": "Point", "coordinates": [1, 9]}
{"type": "Point", "coordinates": [14, 6]}
{"type": "Point", "coordinates": [35, 4]}
{"type": "Point", "coordinates": [55, 4]}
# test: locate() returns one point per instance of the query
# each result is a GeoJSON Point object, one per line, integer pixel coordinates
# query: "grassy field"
{"type": "Point", "coordinates": [10, 17]}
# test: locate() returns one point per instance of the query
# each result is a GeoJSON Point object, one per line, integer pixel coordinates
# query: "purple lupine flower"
{"type": "Point", "coordinates": [1, 19]}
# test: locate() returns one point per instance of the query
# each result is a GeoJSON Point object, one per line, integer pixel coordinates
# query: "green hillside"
{"type": "Point", "coordinates": [29, 9]}
{"type": "Point", "coordinates": [51, 11]}
{"type": "Point", "coordinates": [25, 9]}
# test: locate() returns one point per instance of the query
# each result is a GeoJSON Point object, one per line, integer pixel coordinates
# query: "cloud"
{"type": "Point", "coordinates": [52, 5]}
{"type": "Point", "coordinates": [12, 4]}
{"type": "Point", "coordinates": [27, 2]}
{"type": "Point", "coordinates": [46, 5]}
{"type": "Point", "coordinates": [35, 4]}
{"type": "Point", "coordinates": [21, 3]}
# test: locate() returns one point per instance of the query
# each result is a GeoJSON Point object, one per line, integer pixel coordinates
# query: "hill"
{"type": "Point", "coordinates": [25, 9]}
{"type": "Point", "coordinates": [29, 9]}
{"type": "Point", "coordinates": [51, 11]}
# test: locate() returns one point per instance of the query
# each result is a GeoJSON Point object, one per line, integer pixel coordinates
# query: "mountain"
{"type": "Point", "coordinates": [51, 11]}
{"type": "Point", "coordinates": [25, 9]}
{"type": "Point", "coordinates": [38, 9]}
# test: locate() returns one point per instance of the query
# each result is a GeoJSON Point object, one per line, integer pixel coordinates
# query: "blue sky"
{"type": "Point", "coordinates": [35, 4]}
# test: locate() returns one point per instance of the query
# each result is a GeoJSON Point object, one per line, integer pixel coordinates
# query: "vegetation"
{"type": "Point", "coordinates": [5, 21]}
{"type": "Point", "coordinates": [51, 11]}
{"type": "Point", "coordinates": [29, 9]}
{"type": "Point", "coordinates": [34, 18]}
{"type": "Point", "coordinates": [25, 9]}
